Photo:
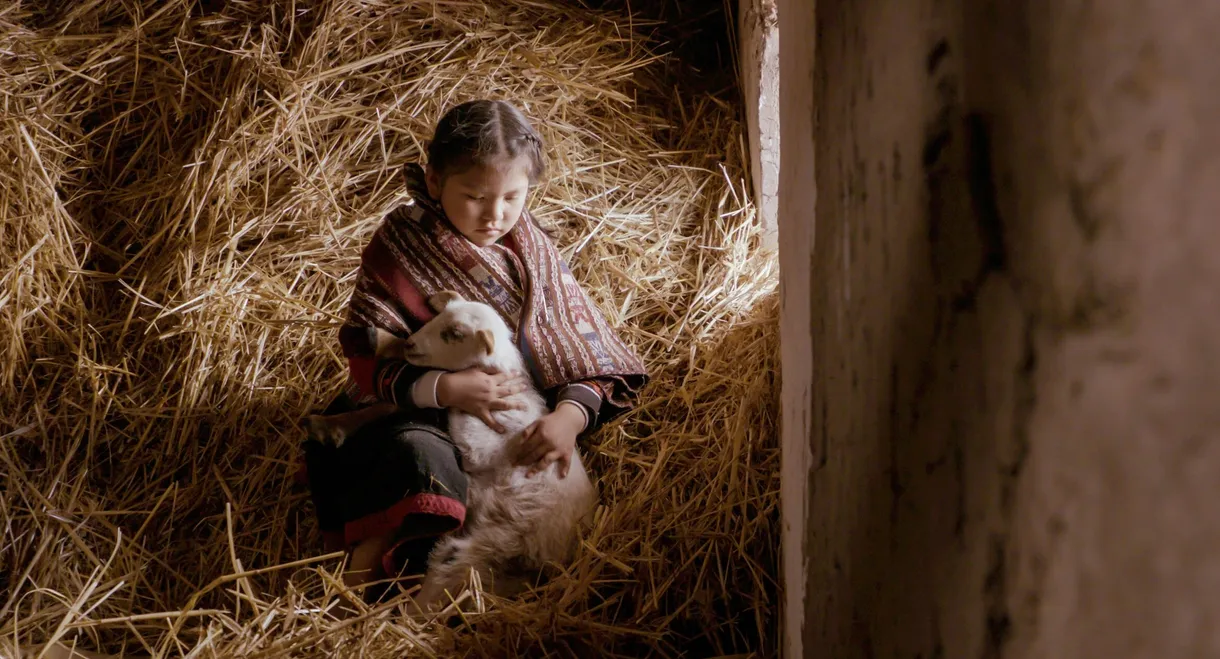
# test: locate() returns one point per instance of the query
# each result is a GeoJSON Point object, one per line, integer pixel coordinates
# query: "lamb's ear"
{"type": "Point", "coordinates": [441, 300]}
{"type": "Point", "coordinates": [487, 340]}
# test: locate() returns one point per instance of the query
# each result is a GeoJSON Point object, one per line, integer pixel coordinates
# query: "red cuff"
{"type": "Point", "coordinates": [362, 369]}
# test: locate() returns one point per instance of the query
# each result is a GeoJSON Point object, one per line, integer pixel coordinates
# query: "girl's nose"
{"type": "Point", "coordinates": [498, 208]}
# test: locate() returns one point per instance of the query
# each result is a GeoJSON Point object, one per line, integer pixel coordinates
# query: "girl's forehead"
{"type": "Point", "coordinates": [503, 174]}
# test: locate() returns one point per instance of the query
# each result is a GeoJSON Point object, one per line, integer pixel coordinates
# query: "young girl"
{"type": "Point", "coordinates": [397, 485]}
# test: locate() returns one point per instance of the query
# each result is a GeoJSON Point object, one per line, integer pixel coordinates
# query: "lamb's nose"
{"type": "Point", "coordinates": [410, 343]}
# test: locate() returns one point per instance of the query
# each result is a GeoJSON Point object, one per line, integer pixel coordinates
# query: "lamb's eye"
{"type": "Point", "coordinates": [452, 335]}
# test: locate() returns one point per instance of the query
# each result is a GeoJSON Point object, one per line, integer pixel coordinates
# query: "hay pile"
{"type": "Point", "coordinates": [185, 187]}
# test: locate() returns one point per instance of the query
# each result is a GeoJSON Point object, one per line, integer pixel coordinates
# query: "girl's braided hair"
{"type": "Point", "coordinates": [484, 133]}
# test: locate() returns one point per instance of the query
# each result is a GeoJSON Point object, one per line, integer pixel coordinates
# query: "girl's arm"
{"type": "Point", "coordinates": [552, 438]}
{"type": "Point", "coordinates": [390, 380]}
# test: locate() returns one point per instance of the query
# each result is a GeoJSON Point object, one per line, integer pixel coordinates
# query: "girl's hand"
{"type": "Point", "coordinates": [479, 392]}
{"type": "Point", "coordinates": [551, 439]}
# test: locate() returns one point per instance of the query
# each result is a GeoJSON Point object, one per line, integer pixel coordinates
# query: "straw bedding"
{"type": "Point", "coordinates": [186, 186]}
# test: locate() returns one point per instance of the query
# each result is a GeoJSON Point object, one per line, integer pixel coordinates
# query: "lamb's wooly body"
{"type": "Point", "coordinates": [514, 523]}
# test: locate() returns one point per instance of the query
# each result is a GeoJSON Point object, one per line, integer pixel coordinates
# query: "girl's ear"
{"type": "Point", "coordinates": [433, 179]}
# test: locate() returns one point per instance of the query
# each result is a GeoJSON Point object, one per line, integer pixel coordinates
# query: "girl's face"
{"type": "Point", "coordinates": [483, 202]}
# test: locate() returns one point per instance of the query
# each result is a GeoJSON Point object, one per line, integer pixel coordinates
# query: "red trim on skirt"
{"type": "Point", "coordinates": [389, 520]}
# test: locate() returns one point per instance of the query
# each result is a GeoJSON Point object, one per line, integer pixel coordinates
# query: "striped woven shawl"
{"type": "Point", "coordinates": [562, 335]}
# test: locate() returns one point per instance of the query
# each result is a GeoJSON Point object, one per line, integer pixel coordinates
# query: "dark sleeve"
{"type": "Point", "coordinates": [394, 380]}
{"type": "Point", "coordinates": [372, 307]}
{"type": "Point", "coordinates": [590, 394]}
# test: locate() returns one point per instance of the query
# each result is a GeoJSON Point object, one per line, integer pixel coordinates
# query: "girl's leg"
{"type": "Point", "coordinates": [365, 561]}
{"type": "Point", "coordinates": [392, 488]}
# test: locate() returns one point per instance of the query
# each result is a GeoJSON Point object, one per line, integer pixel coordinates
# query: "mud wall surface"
{"type": "Point", "coordinates": [1001, 328]}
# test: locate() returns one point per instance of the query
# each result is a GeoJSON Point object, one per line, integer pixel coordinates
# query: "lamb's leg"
{"type": "Point", "coordinates": [448, 566]}
{"type": "Point", "coordinates": [493, 552]}
{"type": "Point", "coordinates": [336, 428]}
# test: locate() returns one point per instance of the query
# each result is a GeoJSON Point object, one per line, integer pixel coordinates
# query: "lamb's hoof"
{"type": "Point", "coordinates": [320, 429]}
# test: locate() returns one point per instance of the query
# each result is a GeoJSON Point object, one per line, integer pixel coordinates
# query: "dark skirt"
{"type": "Point", "coordinates": [397, 476]}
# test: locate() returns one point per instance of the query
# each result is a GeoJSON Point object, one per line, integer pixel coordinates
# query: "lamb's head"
{"type": "Point", "coordinates": [463, 334]}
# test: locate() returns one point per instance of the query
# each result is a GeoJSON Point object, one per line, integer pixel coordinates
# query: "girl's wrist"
{"type": "Point", "coordinates": [442, 390]}
{"type": "Point", "coordinates": [572, 412]}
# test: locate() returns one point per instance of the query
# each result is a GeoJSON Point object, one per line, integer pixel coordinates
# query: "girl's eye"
{"type": "Point", "coordinates": [474, 198]}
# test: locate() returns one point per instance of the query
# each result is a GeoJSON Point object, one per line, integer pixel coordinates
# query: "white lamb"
{"type": "Point", "coordinates": [515, 523]}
